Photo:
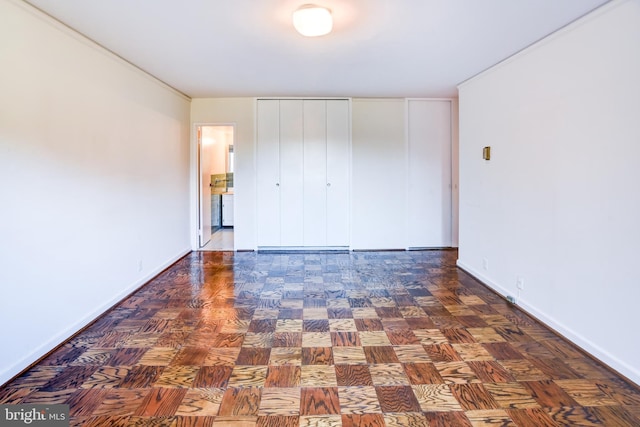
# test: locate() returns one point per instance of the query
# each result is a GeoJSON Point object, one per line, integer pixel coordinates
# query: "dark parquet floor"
{"type": "Point", "coordinates": [360, 339]}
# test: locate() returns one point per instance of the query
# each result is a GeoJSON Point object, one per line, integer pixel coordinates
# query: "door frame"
{"type": "Point", "coordinates": [196, 176]}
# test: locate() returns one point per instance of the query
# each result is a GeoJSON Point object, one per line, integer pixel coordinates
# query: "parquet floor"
{"type": "Point", "coordinates": [361, 339]}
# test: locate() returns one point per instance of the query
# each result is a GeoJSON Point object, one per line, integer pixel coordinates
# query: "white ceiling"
{"type": "Point", "coordinates": [379, 48]}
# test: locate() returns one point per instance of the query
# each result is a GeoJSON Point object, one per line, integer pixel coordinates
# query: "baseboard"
{"type": "Point", "coordinates": [303, 249]}
{"type": "Point", "coordinates": [596, 352]}
{"type": "Point", "coordinates": [62, 337]}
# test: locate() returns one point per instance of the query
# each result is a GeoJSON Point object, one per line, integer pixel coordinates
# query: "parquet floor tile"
{"type": "Point", "coordinates": [377, 339]}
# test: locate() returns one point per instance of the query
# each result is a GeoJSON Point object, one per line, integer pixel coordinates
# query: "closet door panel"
{"type": "Point", "coordinates": [303, 162]}
{"type": "Point", "coordinates": [338, 161]}
{"type": "Point", "coordinates": [429, 173]}
{"type": "Point", "coordinates": [291, 173]}
{"type": "Point", "coordinates": [268, 173]}
{"type": "Point", "coordinates": [315, 173]}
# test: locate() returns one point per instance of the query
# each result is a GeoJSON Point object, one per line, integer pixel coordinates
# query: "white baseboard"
{"type": "Point", "coordinates": [67, 333]}
{"type": "Point", "coordinates": [581, 341]}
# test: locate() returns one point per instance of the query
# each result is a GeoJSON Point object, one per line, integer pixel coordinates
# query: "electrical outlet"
{"type": "Point", "coordinates": [485, 264]}
{"type": "Point", "coordinates": [520, 283]}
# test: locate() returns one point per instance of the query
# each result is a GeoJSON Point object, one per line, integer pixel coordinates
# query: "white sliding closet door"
{"type": "Point", "coordinates": [315, 173]}
{"type": "Point", "coordinates": [429, 135]}
{"type": "Point", "coordinates": [291, 173]}
{"type": "Point", "coordinates": [338, 161]}
{"type": "Point", "coordinates": [268, 173]}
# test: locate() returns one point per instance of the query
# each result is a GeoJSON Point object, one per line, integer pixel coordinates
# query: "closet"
{"type": "Point", "coordinates": [429, 169]}
{"type": "Point", "coordinates": [302, 173]}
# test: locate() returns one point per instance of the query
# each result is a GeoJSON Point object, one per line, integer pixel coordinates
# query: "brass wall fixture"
{"type": "Point", "coordinates": [486, 153]}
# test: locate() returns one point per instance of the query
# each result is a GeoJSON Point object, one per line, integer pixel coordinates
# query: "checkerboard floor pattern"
{"type": "Point", "coordinates": [303, 339]}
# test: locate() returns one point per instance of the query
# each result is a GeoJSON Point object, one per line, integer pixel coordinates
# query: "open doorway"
{"type": "Point", "coordinates": [215, 187]}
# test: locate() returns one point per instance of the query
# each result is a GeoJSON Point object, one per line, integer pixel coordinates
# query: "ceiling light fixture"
{"type": "Point", "coordinates": [312, 21]}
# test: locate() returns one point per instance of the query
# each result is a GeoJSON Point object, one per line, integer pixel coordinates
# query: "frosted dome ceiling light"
{"type": "Point", "coordinates": [312, 21]}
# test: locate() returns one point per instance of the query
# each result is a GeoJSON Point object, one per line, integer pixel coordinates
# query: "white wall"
{"type": "Point", "coordinates": [94, 166]}
{"type": "Point", "coordinates": [558, 205]}
{"type": "Point", "coordinates": [379, 169]}
{"type": "Point", "coordinates": [241, 113]}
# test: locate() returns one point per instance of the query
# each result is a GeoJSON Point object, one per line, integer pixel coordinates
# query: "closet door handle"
{"type": "Point", "coordinates": [328, 184]}
{"type": "Point", "coordinates": [277, 184]}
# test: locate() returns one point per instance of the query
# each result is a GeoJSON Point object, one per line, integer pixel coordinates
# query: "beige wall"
{"type": "Point", "coordinates": [218, 140]}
